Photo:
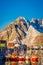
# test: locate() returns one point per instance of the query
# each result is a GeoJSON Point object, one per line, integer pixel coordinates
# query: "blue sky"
{"type": "Point", "coordinates": [11, 9]}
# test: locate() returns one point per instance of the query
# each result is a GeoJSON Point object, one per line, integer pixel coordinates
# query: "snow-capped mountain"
{"type": "Point", "coordinates": [24, 31]}
{"type": "Point", "coordinates": [35, 33]}
{"type": "Point", "coordinates": [16, 30]}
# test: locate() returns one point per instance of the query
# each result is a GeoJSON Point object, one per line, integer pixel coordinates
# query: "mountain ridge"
{"type": "Point", "coordinates": [16, 23]}
{"type": "Point", "coordinates": [23, 29]}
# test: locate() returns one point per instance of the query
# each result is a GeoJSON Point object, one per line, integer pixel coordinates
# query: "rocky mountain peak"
{"type": "Point", "coordinates": [16, 30]}
{"type": "Point", "coordinates": [23, 31]}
